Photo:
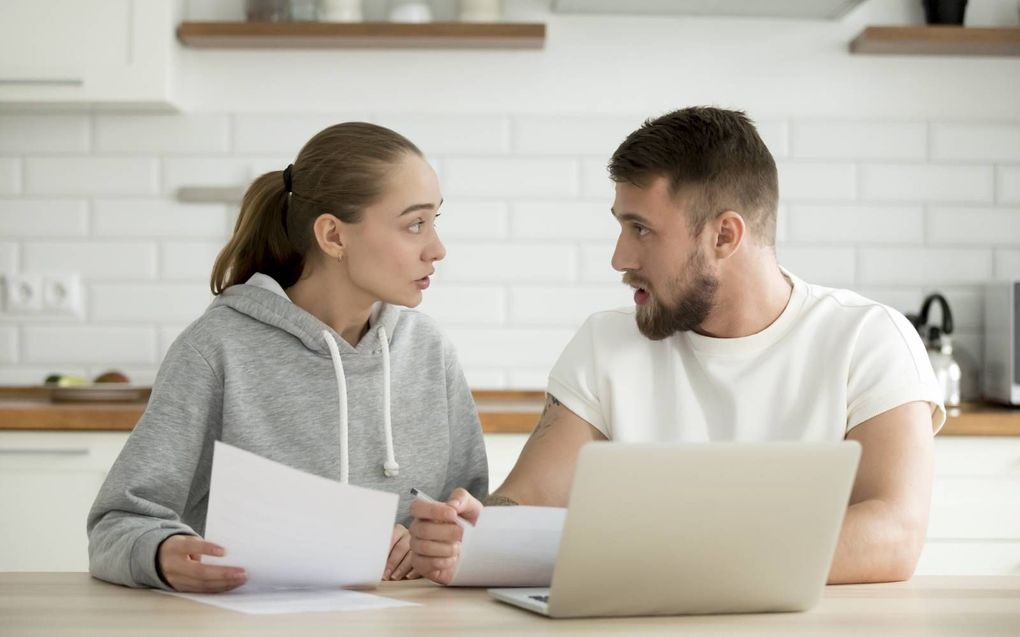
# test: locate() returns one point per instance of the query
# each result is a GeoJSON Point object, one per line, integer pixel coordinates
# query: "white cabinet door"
{"type": "Point", "coordinates": [87, 52]}
{"type": "Point", "coordinates": [47, 484]}
{"type": "Point", "coordinates": [974, 527]}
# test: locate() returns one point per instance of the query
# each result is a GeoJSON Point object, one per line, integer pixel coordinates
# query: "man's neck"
{"type": "Point", "coordinates": [754, 295]}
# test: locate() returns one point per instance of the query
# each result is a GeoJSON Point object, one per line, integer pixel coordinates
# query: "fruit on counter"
{"type": "Point", "coordinates": [66, 380]}
{"type": "Point", "coordinates": [112, 377]}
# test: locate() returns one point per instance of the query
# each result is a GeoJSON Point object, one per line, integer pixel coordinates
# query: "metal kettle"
{"type": "Point", "coordinates": [940, 347]}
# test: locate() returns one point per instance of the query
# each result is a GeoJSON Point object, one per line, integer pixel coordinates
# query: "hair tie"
{"type": "Point", "coordinates": [288, 181]}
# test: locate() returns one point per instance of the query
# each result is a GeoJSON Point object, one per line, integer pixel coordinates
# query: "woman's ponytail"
{"type": "Point", "coordinates": [259, 242]}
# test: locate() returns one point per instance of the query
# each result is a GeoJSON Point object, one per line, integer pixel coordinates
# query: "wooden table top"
{"type": "Point", "coordinates": [73, 604]}
{"type": "Point", "coordinates": [501, 411]}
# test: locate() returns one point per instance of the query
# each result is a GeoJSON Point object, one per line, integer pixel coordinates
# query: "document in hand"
{"type": "Point", "coordinates": [511, 546]}
{"type": "Point", "coordinates": [292, 529]}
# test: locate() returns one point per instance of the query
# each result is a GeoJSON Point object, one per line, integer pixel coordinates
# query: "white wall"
{"type": "Point", "coordinates": [898, 175]}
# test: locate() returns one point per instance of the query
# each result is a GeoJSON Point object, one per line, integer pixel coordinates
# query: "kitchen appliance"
{"type": "Point", "coordinates": [940, 347]}
{"type": "Point", "coordinates": [1002, 342]}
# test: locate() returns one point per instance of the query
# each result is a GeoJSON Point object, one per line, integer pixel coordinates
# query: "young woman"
{"type": "Point", "coordinates": [308, 356]}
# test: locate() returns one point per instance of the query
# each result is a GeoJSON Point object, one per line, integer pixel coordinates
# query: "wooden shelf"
{"type": "Point", "coordinates": [938, 40]}
{"type": "Point", "coordinates": [336, 35]}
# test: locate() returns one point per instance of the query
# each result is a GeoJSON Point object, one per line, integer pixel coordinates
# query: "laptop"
{"type": "Point", "coordinates": [671, 529]}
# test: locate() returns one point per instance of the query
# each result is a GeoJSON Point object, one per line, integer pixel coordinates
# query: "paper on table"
{"type": "Point", "coordinates": [291, 529]}
{"type": "Point", "coordinates": [511, 546]}
{"type": "Point", "coordinates": [294, 601]}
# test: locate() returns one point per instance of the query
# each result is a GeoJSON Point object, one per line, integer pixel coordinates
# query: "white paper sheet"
{"type": "Point", "coordinates": [511, 546]}
{"type": "Point", "coordinates": [290, 529]}
{"type": "Point", "coordinates": [294, 601]}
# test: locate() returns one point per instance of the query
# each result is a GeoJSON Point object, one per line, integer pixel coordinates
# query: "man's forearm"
{"type": "Point", "coordinates": [496, 500]}
{"type": "Point", "coordinates": [876, 544]}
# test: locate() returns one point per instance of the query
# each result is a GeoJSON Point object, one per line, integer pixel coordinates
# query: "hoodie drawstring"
{"type": "Point", "coordinates": [390, 467]}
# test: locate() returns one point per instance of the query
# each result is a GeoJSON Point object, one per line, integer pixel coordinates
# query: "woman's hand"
{"type": "Point", "coordinates": [398, 565]}
{"type": "Point", "coordinates": [180, 562]}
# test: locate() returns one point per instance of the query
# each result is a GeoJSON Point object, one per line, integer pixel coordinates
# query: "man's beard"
{"type": "Point", "coordinates": [660, 318]}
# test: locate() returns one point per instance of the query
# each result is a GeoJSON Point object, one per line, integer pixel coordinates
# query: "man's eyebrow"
{"type": "Point", "coordinates": [421, 206]}
{"type": "Point", "coordinates": [629, 216]}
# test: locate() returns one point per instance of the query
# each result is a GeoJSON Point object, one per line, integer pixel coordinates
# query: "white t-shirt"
{"type": "Point", "coordinates": [832, 360]}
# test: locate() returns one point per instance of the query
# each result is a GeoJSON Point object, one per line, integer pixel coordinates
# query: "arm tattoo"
{"type": "Point", "coordinates": [499, 501]}
{"type": "Point", "coordinates": [544, 421]}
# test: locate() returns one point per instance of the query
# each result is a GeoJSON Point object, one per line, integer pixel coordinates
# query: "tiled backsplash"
{"type": "Point", "coordinates": [893, 209]}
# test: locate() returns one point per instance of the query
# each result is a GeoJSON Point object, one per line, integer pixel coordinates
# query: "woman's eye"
{"type": "Point", "coordinates": [416, 227]}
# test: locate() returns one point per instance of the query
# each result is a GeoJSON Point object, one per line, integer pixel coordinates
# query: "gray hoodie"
{"type": "Point", "coordinates": [262, 374]}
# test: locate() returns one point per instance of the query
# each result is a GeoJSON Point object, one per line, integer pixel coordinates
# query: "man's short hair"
{"type": "Point", "coordinates": [714, 161]}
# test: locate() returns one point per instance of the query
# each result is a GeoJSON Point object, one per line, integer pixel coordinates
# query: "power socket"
{"type": "Point", "coordinates": [22, 293]}
{"type": "Point", "coordinates": [51, 294]}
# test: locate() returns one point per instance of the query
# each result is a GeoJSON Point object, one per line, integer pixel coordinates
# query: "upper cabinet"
{"type": "Point", "coordinates": [87, 53]}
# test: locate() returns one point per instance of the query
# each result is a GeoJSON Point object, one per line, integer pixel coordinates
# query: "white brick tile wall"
{"type": "Point", "coordinates": [8, 256]}
{"type": "Point", "coordinates": [975, 142]}
{"type": "Point", "coordinates": [150, 303]}
{"type": "Point", "coordinates": [918, 182]}
{"type": "Point", "coordinates": [595, 181]}
{"type": "Point", "coordinates": [800, 181]}
{"type": "Point", "coordinates": [776, 135]}
{"type": "Point", "coordinates": [281, 133]}
{"type": "Point", "coordinates": [529, 379]}
{"type": "Point", "coordinates": [482, 263]}
{"type": "Point", "coordinates": [77, 176]}
{"type": "Point", "coordinates": [472, 219]}
{"type": "Point", "coordinates": [973, 226]}
{"type": "Point", "coordinates": [1007, 265]}
{"type": "Point", "coordinates": [565, 306]}
{"type": "Point", "coordinates": [464, 304]}
{"type": "Point", "coordinates": [167, 335]}
{"type": "Point", "coordinates": [596, 264]}
{"type": "Point", "coordinates": [101, 260]}
{"type": "Point", "coordinates": [904, 299]}
{"type": "Point", "coordinates": [178, 133]}
{"type": "Point", "coordinates": [88, 345]}
{"type": "Point", "coordinates": [445, 134]}
{"type": "Point", "coordinates": [10, 176]}
{"type": "Point", "coordinates": [208, 171]}
{"type": "Point", "coordinates": [44, 133]}
{"type": "Point", "coordinates": [1008, 179]}
{"type": "Point", "coordinates": [858, 140]}
{"type": "Point", "coordinates": [157, 218]}
{"type": "Point", "coordinates": [560, 220]}
{"type": "Point", "coordinates": [572, 135]}
{"type": "Point", "coordinates": [509, 347]}
{"type": "Point", "coordinates": [188, 261]}
{"type": "Point", "coordinates": [967, 305]}
{"type": "Point", "coordinates": [520, 177]}
{"type": "Point", "coordinates": [479, 378]}
{"type": "Point", "coordinates": [43, 218]}
{"type": "Point", "coordinates": [8, 344]}
{"type": "Point", "coordinates": [833, 267]}
{"type": "Point", "coordinates": [855, 224]}
{"type": "Point", "coordinates": [920, 266]}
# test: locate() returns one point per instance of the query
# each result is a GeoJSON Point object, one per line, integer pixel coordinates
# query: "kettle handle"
{"type": "Point", "coordinates": [947, 315]}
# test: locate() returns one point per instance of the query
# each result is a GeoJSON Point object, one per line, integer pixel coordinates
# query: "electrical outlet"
{"type": "Point", "coordinates": [22, 293]}
{"type": "Point", "coordinates": [61, 294]}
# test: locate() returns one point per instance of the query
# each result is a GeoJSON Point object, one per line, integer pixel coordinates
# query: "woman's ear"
{"type": "Point", "coordinates": [729, 233]}
{"type": "Point", "coordinates": [329, 234]}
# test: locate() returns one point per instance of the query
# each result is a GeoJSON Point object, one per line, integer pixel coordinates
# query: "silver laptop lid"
{"type": "Point", "coordinates": [701, 528]}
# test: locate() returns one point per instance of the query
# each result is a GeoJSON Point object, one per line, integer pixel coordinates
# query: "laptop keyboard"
{"type": "Point", "coordinates": [541, 598]}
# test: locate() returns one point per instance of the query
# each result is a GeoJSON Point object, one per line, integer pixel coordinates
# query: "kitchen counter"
{"type": "Point", "coordinates": [30, 408]}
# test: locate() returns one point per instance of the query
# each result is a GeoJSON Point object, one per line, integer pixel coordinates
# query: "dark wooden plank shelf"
{"type": "Point", "coordinates": [938, 40]}
{"type": "Point", "coordinates": [315, 35]}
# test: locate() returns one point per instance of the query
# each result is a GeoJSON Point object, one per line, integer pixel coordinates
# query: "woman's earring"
{"type": "Point", "coordinates": [340, 257]}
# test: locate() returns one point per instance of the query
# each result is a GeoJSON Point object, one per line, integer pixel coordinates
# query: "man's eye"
{"type": "Point", "coordinates": [640, 230]}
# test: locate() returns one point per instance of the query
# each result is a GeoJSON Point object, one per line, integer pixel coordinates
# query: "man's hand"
{"type": "Point", "coordinates": [398, 565]}
{"type": "Point", "coordinates": [180, 562]}
{"type": "Point", "coordinates": [436, 537]}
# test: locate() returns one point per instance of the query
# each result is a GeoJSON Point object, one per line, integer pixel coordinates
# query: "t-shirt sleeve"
{"type": "Point", "coordinates": [574, 379]}
{"type": "Point", "coordinates": [890, 367]}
